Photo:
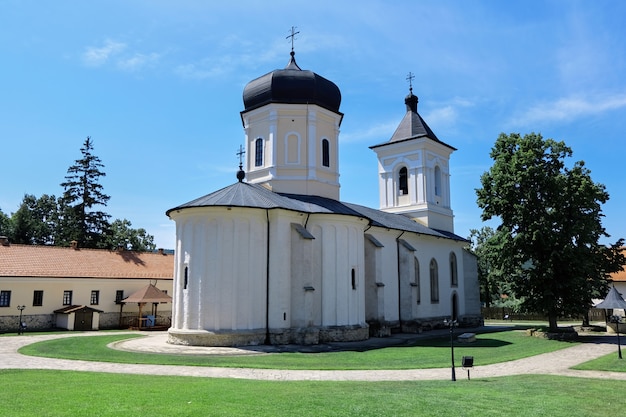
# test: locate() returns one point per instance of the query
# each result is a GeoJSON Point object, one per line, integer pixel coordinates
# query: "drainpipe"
{"type": "Point", "coordinates": [267, 281]}
{"type": "Point", "coordinates": [399, 290]}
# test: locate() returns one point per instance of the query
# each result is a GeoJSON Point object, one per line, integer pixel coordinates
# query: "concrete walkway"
{"type": "Point", "coordinates": [554, 363]}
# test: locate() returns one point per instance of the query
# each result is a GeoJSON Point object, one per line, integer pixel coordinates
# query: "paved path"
{"type": "Point", "coordinates": [554, 363]}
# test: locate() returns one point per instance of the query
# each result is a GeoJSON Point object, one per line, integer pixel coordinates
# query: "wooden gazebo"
{"type": "Point", "coordinates": [147, 294]}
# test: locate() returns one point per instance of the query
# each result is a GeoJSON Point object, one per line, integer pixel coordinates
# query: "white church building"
{"type": "Point", "coordinates": [278, 258]}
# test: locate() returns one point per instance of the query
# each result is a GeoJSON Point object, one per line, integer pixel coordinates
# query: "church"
{"type": "Point", "coordinates": [278, 258]}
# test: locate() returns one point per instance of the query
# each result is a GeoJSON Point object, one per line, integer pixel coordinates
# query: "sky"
{"type": "Point", "coordinates": [158, 87]}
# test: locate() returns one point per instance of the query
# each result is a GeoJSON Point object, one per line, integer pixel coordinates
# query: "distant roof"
{"type": "Point", "coordinates": [242, 194]}
{"type": "Point", "coordinates": [63, 262]}
{"type": "Point", "coordinates": [412, 126]}
{"type": "Point", "coordinates": [620, 276]}
{"type": "Point", "coordinates": [613, 300]}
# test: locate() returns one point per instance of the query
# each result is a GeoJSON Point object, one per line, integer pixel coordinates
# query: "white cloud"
{"type": "Point", "coordinates": [569, 108]}
{"type": "Point", "coordinates": [137, 61]}
{"type": "Point", "coordinates": [96, 56]}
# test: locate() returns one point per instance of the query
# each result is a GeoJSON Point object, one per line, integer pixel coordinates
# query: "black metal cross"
{"type": "Point", "coordinates": [292, 35]}
{"type": "Point", "coordinates": [410, 79]}
{"type": "Point", "coordinates": [240, 154]}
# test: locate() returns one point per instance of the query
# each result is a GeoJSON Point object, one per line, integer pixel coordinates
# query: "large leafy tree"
{"type": "Point", "coordinates": [6, 228]}
{"type": "Point", "coordinates": [122, 235]}
{"type": "Point", "coordinates": [83, 193]}
{"type": "Point", "coordinates": [34, 223]}
{"type": "Point", "coordinates": [551, 223]}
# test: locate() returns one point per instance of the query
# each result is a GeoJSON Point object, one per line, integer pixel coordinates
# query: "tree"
{"type": "Point", "coordinates": [488, 277]}
{"type": "Point", "coordinates": [34, 223]}
{"type": "Point", "coordinates": [122, 235]}
{"type": "Point", "coordinates": [6, 228]}
{"type": "Point", "coordinates": [548, 240]}
{"type": "Point", "coordinates": [82, 193]}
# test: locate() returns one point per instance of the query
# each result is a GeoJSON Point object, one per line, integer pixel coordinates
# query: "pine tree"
{"type": "Point", "coordinates": [83, 192]}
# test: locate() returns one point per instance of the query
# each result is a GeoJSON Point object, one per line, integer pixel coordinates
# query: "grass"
{"type": "Point", "coordinates": [62, 393]}
{"type": "Point", "coordinates": [435, 353]}
{"type": "Point", "coordinates": [610, 363]}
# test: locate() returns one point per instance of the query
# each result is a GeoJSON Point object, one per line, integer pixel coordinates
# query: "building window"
{"type": "Point", "coordinates": [5, 298]}
{"type": "Point", "coordinates": [258, 152]}
{"type": "Point", "coordinates": [437, 181]}
{"type": "Point", "coordinates": [37, 298]}
{"type": "Point", "coordinates": [67, 298]}
{"type": "Point", "coordinates": [186, 278]}
{"type": "Point", "coordinates": [454, 277]}
{"type": "Point", "coordinates": [434, 282]}
{"type": "Point", "coordinates": [403, 181]}
{"type": "Point", "coordinates": [119, 296]}
{"type": "Point", "coordinates": [95, 297]}
{"type": "Point", "coordinates": [416, 271]}
{"type": "Point", "coordinates": [325, 153]}
{"type": "Point", "coordinates": [353, 277]}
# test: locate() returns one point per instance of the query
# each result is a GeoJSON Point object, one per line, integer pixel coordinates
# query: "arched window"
{"type": "Point", "coordinates": [434, 282]}
{"type": "Point", "coordinates": [437, 180]}
{"type": "Point", "coordinates": [403, 181]}
{"type": "Point", "coordinates": [454, 277]}
{"type": "Point", "coordinates": [325, 153]}
{"type": "Point", "coordinates": [258, 152]}
{"type": "Point", "coordinates": [416, 270]}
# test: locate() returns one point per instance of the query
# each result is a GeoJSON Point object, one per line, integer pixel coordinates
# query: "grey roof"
{"type": "Point", "coordinates": [412, 126]}
{"type": "Point", "coordinates": [292, 85]}
{"type": "Point", "coordinates": [242, 194]}
{"type": "Point", "coordinates": [613, 300]}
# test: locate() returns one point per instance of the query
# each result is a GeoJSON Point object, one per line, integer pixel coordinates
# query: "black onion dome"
{"type": "Point", "coordinates": [292, 85]}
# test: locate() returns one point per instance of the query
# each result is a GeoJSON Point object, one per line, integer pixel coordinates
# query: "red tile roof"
{"type": "Point", "coordinates": [62, 262]}
{"type": "Point", "coordinates": [621, 275]}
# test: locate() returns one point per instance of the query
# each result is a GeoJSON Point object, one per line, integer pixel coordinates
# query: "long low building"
{"type": "Point", "coordinates": [79, 289]}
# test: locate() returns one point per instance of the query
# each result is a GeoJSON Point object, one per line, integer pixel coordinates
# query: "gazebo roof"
{"type": "Point", "coordinates": [613, 300]}
{"type": "Point", "coordinates": [148, 294]}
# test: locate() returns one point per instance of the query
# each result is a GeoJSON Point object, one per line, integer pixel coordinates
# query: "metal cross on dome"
{"type": "Point", "coordinates": [292, 35]}
{"type": "Point", "coordinates": [410, 79]}
{"type": "Point", "coordinates": [240, 154]}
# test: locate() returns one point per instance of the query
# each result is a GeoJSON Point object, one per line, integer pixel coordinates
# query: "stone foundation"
{"type": "Point", "coordinates": [297, 336]}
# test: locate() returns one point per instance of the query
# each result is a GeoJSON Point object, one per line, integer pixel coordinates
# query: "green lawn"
{"type": "Point", "coordinates": [26, 393]}
{"type": "Point", "coordinates": [434, 353]}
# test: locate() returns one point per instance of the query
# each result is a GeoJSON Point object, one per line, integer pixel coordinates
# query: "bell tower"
{"type": "Point", "coordinates": [414, 171]}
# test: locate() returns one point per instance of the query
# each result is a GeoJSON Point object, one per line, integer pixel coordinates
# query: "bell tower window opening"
{"type": "Point", "coordinates": [403, 181]}
{"type": "Point", "coordinates": [258, 152]}
{"type": "Point", "coordinates": [437, 181]}
{"type": "Point", "coordinates": [186, 278]}
{"type": "Point", "coordinates": [325, 153]}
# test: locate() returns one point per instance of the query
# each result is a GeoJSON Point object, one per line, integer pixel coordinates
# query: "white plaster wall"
{"type": "Point", "coordinates": [225, 252]}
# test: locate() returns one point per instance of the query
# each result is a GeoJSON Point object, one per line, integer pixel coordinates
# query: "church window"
{"type": "Point", "coordinates": [325, 153]}
{"type": "Point", "coordinates": [353, 279]}
{"type": "Point", "coordinates": [403, 181]}
{"type": "Point", "coordinates": [258, 152]}
{"type": "Point", "coordinates": [454, 277]}
{"type": "Point", "coordinates": [434, 281]}
{"type": "Point", "coordinates": [186, 278]}
{"type": "Point", "coordinates": [437, 180]}
{"type": "Point", "coordinates": [416, 271]}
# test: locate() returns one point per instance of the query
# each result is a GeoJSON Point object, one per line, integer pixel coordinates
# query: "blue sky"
{"type": "Point", "coordinates": [158, 87]}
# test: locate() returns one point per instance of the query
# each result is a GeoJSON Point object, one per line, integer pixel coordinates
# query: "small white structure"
{"type": "Point", "coordinates": [280, 259]}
